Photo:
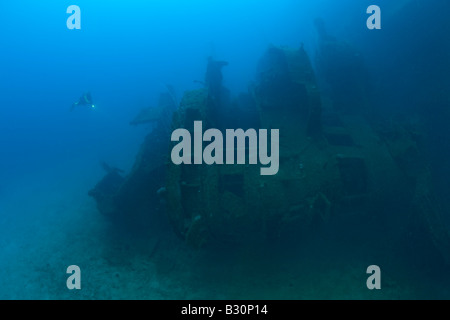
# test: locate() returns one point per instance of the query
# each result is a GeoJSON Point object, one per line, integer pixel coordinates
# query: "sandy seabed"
{"type": "Point", "coordinates": [48, 223]}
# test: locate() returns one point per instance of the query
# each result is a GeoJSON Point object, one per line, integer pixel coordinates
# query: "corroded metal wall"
{"type": "Point", "coordinates": [331, 165]}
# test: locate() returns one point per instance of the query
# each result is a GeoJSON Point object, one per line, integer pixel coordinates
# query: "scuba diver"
{"type": "Point", "coordinates": [84, 101]}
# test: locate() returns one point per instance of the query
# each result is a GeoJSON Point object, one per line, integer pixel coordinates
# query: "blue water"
{"type": "Point", "coordinates": [124, 54]}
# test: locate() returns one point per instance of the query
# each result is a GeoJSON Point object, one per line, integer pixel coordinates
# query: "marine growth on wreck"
{"type": "Point", "coordinates": [334, 164]}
